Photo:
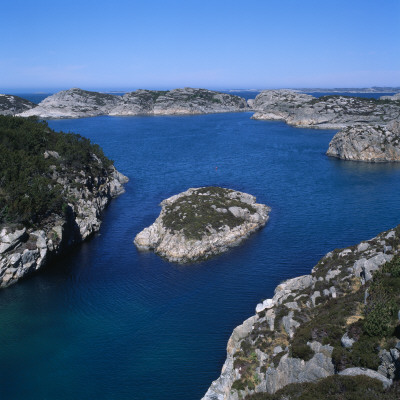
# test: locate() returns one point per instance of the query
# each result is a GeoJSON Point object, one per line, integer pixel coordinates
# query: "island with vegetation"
{"type": "Point", "coordinates": [53, 188]}
{"type": "Point", "coordinates": [335, 332]}
{"type": "Point", "coordinates": [78, 103]}
{"type": "Point", "coordinates": [201, 222]}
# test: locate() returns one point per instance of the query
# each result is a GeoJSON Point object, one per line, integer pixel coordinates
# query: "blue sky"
{"type": "Point", "coordinates": [125, 45]}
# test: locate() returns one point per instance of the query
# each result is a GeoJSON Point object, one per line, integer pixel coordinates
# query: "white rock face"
{"type": "Point", "coordinates": [222, 227]}
{"type": "Point", "coordinates": [395, 97]}
{"type": "Point", "coordinates": [78, 103]}
{"type": "Point", "coordinates": [276, 318]}
{"type": "Point", "coordinates": [368, 143]}
{"type": "Point", "coordinates": [23, 251]}
{"type": "Point", "coordinates": [328, 112]}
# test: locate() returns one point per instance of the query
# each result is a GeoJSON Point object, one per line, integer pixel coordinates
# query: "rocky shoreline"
{"type": "Point", "coordinates": [326, 112]}
{"type": "Point", "coordinates": [78, 103]}
{"type": "Point", "coordinates": [24, 250]}
{"type": "Point", "coordinates": [49, 200]}
{"type": "Point", "coordinates": [289, 341]}
{"type": "Point", "coordinates": [368, 143]}
{"type": "Point", "coordinates": [202, 222]}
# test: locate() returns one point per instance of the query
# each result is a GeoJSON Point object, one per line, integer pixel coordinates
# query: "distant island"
{"type": "Point", "coordinates": [202, 222]}
{"type": "Point", "coordinates": [54, 187]}
{"type": "Point", "coordinates": [78, 103]}
{"type": "Point", "coordinates": [369, 127]}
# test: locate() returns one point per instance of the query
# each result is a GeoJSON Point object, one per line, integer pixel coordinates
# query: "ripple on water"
{"type": "Point", "coordinates": [110, 322]}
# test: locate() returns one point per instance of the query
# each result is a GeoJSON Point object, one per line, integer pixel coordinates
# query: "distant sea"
{"type": "Point", "coordinates": [108, 322]}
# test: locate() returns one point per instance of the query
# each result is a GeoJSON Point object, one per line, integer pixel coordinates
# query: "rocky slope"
{"type": "Point", "coordinates": [78, 103]}
{"type": "Point", "coordinates": [53, 189]}
{"type": "Point", "coordinates": [340, 319]}
{"type": "Point", "coordinates": [24, 250]}
{"type": "Point", "coordinates": [371, 143]}
{"type": "Point", "coordinates": [202, 222]}
{"type": "Point", "coordinates": [327, 112]}
{"type": "Point", "coordinates": [12, 105]}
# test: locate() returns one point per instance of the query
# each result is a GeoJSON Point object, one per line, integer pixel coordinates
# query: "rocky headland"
{"type": "Point", "coordinates": [201, 222]}
{"type": "Point", "coordinates": [369, 143]}
{"type": "Point", "coordinates": [327, 112]}
{"type": "Point", "coordinates": [335, 328]}
{"type": "Point", "coordinates": [394, 97]}
{"type": "Point", "coordinates": [78, 103]}
{"type": "Point", "coordinates": [12, 105]}
{"type": "Point", "coordinates": [56, 201]}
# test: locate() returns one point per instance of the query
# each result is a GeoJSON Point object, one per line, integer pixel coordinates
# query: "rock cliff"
{"type": "Point", "coordinates": [341, 318]}
{"type": "Point", "coordinates": [24, 250]}
{"type": "Point", "coordinates": [202, 222]}
{"type": "Point", "coordinates": [12, 105]}
{"type": "Point", "coordinates": [371, 143]}
{"type": "Point", "coordinates": [78, 103]}
{"type": "Point", "coordinates": [54, 187]}
{"type": "Point", "coordinates": [327, 112]}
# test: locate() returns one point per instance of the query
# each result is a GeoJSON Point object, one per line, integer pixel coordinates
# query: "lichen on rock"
{"type": "Point", "coordinates": [202, 222]}
{"type": "Point", "coordinates": [368, 143]}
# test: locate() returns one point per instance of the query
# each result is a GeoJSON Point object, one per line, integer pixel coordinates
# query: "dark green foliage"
{"type": "Point", "coordinates": [302, 351]}
{"type": "Point", "coordinates": [383, 300]}
{"type": "Point", "coordinates": [27, 191]}
{"type": "Point", "coordinates": [363, 353]}
{"type": "Point", "coordinates": [192, 214]}
{"type": "Point", "coordinates": [334, 387]}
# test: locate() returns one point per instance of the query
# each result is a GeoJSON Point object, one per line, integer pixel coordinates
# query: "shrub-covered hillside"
{"type": "Point", "coordinates": [28, 191]}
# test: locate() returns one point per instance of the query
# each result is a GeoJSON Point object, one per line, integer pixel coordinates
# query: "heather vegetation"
{"type": "Point", "coordinates": [204, 210]}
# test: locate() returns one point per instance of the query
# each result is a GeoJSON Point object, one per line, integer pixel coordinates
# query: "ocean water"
{"type": "Point", "coordinates": [110, 322]}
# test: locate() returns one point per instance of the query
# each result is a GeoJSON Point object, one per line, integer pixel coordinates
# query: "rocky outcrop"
{"type": "Point", "coordinates": [370, 143]}
{"type": "Point", "coordinates": [12, 105]}
{"type": "Point", "coordinates": [327, 112]}
{"type": "Point", "coordinates": [24, 250]}
{"type": "Point", "coordinates": [202, 222]}
{"type": "Point", "coordinates": [78, 103]}
{"type": "Point", "coordinates": [288, 339]}
{"type": "Point", "coordinates": [395, 97]}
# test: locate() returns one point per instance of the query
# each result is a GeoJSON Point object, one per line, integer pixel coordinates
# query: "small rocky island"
{"type": "Point", "coordinates": [201, 222]}
{"type": "Point", "coordinates": [53, 189]}
{"type": "Point", "coordinates": [369, 143]}
{"type": "Point", "coordinates": [78, 103]}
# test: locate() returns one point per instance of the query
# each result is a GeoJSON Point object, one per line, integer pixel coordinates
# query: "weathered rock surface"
{"type": "Point", "coordinates": [78, 103]}
{"type": "Point", "coordinates": [12, 105]}
{"type": "Point", "coordinates": [327, 112]}
{"type": "Point", "coordinates": [202, 222]}
{"type": "Point", "coordinates": [260, 352]}
{"type": "Point", "coordinates": [394, 97]}
{"type": "Point", "coordinates": [369, 143]}
{"type": "Point", "coordinates": [25, 250]}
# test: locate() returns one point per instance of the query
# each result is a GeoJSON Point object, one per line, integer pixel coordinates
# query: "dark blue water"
{"type": "Point", "coordinates": [108, 322]}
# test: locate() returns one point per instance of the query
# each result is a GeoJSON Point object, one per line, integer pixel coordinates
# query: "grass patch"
{"type": "Point", "coordinates": [195, 215]}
